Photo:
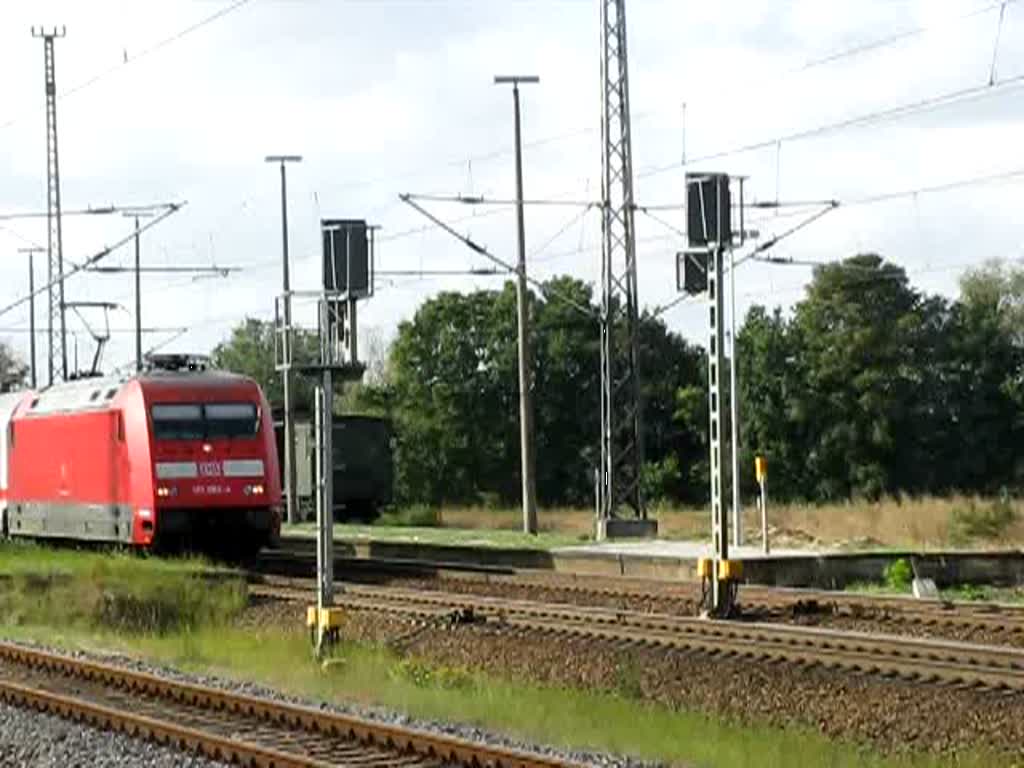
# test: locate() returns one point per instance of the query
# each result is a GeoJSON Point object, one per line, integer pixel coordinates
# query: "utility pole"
{"type": "Point", "coordinates": [734, 392]}
{"type": "Point", "coordinates": [136, 215]}
{"type": "Point", "coordinates": [526, 435]}
{"type": "Point", "coordinates": [291, 496]}
{"type": "Point", "coordinates": [57, 362]}
{"type": "Point", "coordinates": [734, 409]}
{"type": "Point", "coordinates": [32, 251]}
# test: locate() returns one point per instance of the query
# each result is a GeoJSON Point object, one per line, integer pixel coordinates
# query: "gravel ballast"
{"type": "Point", "coordinates": [891, 715]}
{"type": "Point", "coordinates": [677, 599]}
{"type": "Point", "coordinates": [30, 738]}
{"type": "Point", "coordinates": [378, 714]}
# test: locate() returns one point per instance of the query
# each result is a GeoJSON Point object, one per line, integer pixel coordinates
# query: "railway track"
{"type": "Point", "coordinates": [1003, 621]}
{"type": "Point", "coordinates": [995, 668]}
{"type": "Point", "coordinates": [235, 728]}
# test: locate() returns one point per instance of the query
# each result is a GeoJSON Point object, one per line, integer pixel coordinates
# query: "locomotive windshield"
{"type": "Point", "coordinates": [204, 422]}
{"type": "Point", "coordinates": [231, 419]}
{"type": "Point", "coordinates": [178, 422]}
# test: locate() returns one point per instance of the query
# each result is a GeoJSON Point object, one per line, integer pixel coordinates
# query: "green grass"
{"type": "Point", "coordinates": [962, 592]}
{"type": "Point", "coordinates": [94, 589]}
{"type": "Point", "coordinates": [504, 539]}
{"type": "Point", "coordinates": [979, 593]}
{"type": "Point", "coordinates": [571, 718]}
{"type": "Point", "coordinates": [27, 557]}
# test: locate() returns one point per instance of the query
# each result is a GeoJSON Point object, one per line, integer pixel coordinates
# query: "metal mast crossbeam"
{"type": "Point", "coordinates": [57, 359]}
{"type": "Point", "coordinates": [621, 444]}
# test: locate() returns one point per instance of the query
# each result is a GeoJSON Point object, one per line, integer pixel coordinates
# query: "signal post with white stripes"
{"type": "Point", "coordinates": [700, 269]}
{"type": "Point", "coordinates": [348, 246]}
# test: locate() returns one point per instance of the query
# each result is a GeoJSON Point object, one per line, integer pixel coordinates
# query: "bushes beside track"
{"type": "Point", "coordinates": [118, 591]}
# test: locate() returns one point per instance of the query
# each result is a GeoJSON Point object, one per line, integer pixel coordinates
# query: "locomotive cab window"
{"type": "Point", "coordinates": [231, 420]}
{"type": "Point", "coordinates": [205, 422]}
{"type": "Point", "coordinates": [177, 422]}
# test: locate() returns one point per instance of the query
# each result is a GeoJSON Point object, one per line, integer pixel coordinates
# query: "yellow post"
{"type": "Point", "coordinates": [761, 472]}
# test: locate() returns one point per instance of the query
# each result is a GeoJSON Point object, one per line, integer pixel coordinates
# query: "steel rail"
{"type": "Point", "coordinates": [289, 728]}
{"type": "Point", "coordinates": [1005, 618]}
{"type": "Point", "coordinates": [162, 731]}
{"type": "Point", "coordinates": [774, 596]}
{"type": "Point", "coordinates": [1010, 658]}
{"type": "Point", "coordinates": [993, 667]}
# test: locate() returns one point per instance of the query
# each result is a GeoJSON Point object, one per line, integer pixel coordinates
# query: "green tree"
{"type": "Point", "coordinates": [451, 389]}
{"type": "Point", "coordinates": [567, 392]}
{"type": "Point", "coordinates": [691, 416]}
{"type": "Point", "coordinates": [13, 371]}
{"type": "Point", "coordinates": [675, 448]}
{"type": "Point", "coordinates": [772, 416]}
{"type": "Point", "coordinates": [250, 351]}
{"type": "Point", "coordinates": [989, 402]}
{"type": "Point", "coordinates": [452, 398]}
{"type": "Point", "coordinates": [872, 387]}
{"type": "Point", "coordinates": [854, 332]}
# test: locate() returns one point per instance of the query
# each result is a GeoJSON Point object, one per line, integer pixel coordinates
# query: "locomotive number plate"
{"type": "Point", "coordinates": [210, 490]}
{"type": "Point", "coordinates": [209, 469]}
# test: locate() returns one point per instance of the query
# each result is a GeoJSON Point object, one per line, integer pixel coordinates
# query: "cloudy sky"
{"type": "Point", "coordinates": [169, 101]}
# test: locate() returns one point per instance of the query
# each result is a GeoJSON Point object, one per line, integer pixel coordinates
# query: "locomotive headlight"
{"type": "Point", "coordinates": [253, 490]}
{"type": "Point", "coordinates": [163, 491]}
{"type": "Point", "coordinates": [257, 490]}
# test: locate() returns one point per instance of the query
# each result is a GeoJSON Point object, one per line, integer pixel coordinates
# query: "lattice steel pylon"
{"type": "Point", "coordinates": [57, 358]}
{"type": "Point", "coordinates": [621, 444]}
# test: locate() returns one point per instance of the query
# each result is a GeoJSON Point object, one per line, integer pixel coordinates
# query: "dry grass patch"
{"type": "Point", "coordinates": [919, 523]}
{"type": "Point", "coordinates": [567, 521]}
{"type": "Point", "coordinates": [898, 522]}
{"type": "Point", "coordinates": [674, 522]}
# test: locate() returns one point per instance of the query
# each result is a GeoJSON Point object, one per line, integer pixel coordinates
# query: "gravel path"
{"type": "Point", "coordinates": [29, 738]}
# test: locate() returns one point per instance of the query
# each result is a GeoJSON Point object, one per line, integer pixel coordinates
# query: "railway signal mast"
{"type": "Point", "coordinates": [348, 246]}
{"type": "Point", "coordinates": [700, 269]}
{"type": "Point", "coordinates": [57, 358]}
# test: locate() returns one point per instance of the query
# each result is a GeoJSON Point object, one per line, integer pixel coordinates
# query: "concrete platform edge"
{"type": "Point", "coordinates": [825, 571]}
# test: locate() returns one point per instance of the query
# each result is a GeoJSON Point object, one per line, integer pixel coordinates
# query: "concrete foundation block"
{"type": "Point", "coordinates": [925, 589]}
{"type": "Point", "coordinates": [617, 528]}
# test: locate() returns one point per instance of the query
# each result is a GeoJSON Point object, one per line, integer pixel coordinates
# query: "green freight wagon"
{"type": "Point", "coordinates": [363, 465]}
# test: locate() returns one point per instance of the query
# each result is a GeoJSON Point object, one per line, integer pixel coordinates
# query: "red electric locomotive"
{"type": "Point", "coordinates": [177, 455]}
